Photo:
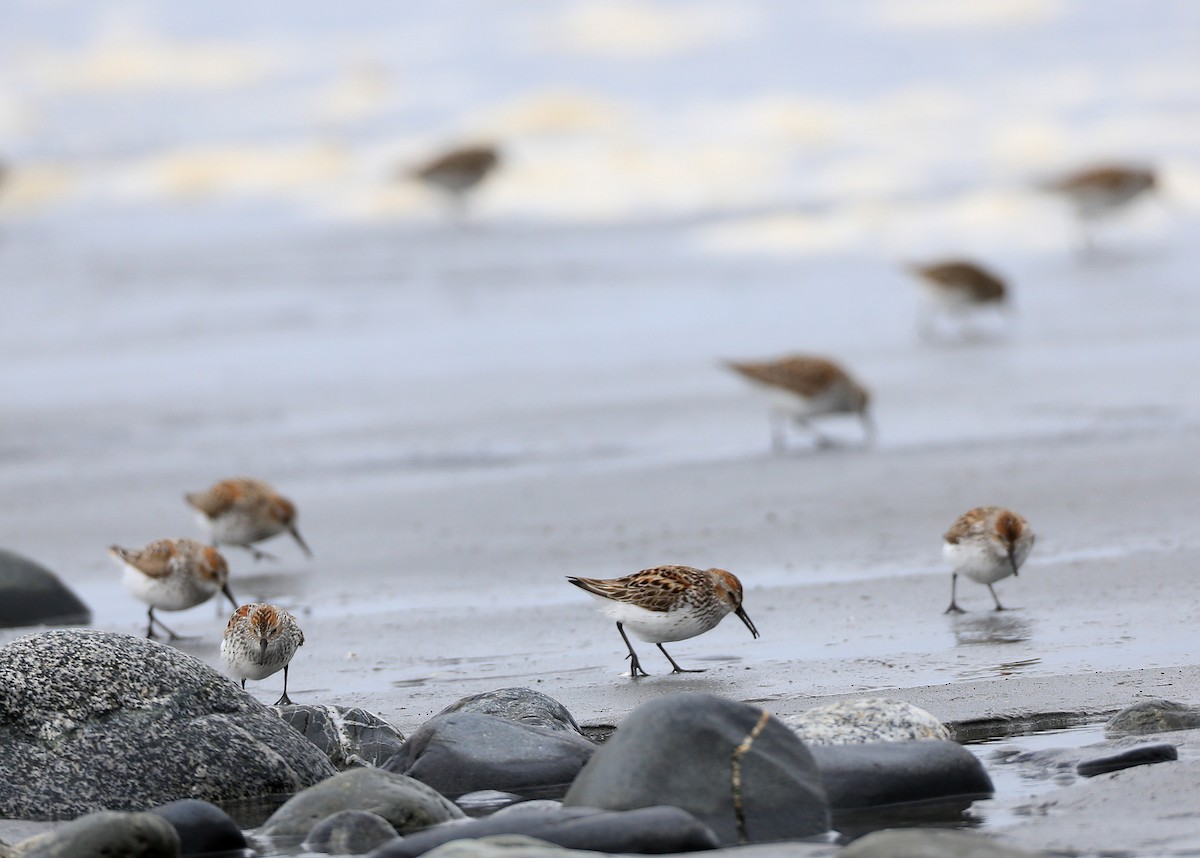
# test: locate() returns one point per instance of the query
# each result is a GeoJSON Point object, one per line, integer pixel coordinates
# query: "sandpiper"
{"type": "Point", "coordinates": [667, 603]}
{"type": "Point", "coordinates": [802, 387]}
{"type": "Point", "coordinates": [458, 171]}
{"type": "Point", "coordinates": [986, 544]}
{"type": "Point", "coordinates": [242, 511]}
{"type": "Point", "coordinates": [956, 287]}
{"type": "Point", "coordinates": [1098, 192]}
{"type": "Point", "coordinates": [259, 640]}
{"type": "Point", "coordinates": [173, 575]}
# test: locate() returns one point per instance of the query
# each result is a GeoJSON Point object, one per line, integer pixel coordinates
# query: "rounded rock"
{"type": "Point", "coordinates": [733, 766]}
{"type": "Point", "coordinates": [349, 832]}
{"type": "Point", "coordinates": [408, 805]}
{"type": "Point", "coordinates": [92, 720]}
{"type": "Point", "coordinates": [518, 704]}
{"type": "Point", "coordinates": [465, 752]}
{"type": "Point", "coordinates": [869, 719]}
{"type": "Point", "coordinates": [202, 827]}
{"type": "Point", "coordinates": [1153, 716]}
{"type": "Point", "coordinates": [104, 834]}
{"type": "Point", "coordinates": [32, 595]}
{"type": "Point", "coordinates": [349, 736]}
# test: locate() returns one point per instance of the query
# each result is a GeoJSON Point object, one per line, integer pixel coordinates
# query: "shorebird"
{"type": "Point", "coordinates": [1098, 192]}
{"type": "Point", "coordinates": [803, 387]}
{"type": "Point", "coordinates": [259, 640]}
{"type": "Point", "coordinates": [667, 603]}
{"type": "Point", "coordinates": [458, 171]}
{"type": "Point", "coordinates": [173, 575]}
{"type": "Point", "coordinates": [956, 287]}
{"type": "Point", "coordinates": [243, 511]}
{"type": "Point", "coordinates": [986, 544]}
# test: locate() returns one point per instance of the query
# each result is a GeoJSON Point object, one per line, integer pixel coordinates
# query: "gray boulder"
{"type": "Point", "coordinates": [408, 805]}
{"type": "Point", "coordinates": [105, 834]}
{"type": "Point", "coordinates": [348, 736]}
{"type": "Point", "coordinates": [733, 766]}
{"type": "Point", "coordinates": [465, 752]}
{"type": "Point", "coordinates": [1153, 716]}
{"type": "Point", "coordinates": [518, 704]}
{"type": "Point", "coordinates": [91, 720]}
{"type": "Point", "coordinates": [868, 719]}
{"type": "Point", "coordinates": [647, 830]}
{"type": "Point", "coordinates": [349, 832]}
{"type": "Point", "coordinates": [202, 827]}
{"type": "Point", "coordinates": [877, 774]}
{"type": "Point", "coordinates": [32, 595]}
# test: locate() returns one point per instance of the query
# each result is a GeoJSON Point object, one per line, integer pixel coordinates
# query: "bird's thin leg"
{"type": "Point", "coordinates": [284, 699]}
{"type": "Point", "coordinates": [820, 438]}
{"type": "Point", "coordinates": [778, 431]}
{"type": "Point", "coordinates": [954, 608]}
{"type": "Point", "coordinates": [677, 669]}
{"type": "Point", "coordinates": [999, 607]}
{"type": "Point", "coordinates": [635, 667]}
{"type": "Point", "coordinates": [171, 635]}
{"type": "Point", "coordinates": [259, 555]}
{"type": "Point", "coordinates": [243, 683]}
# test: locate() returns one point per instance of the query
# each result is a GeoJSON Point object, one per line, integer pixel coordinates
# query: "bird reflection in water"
{"type": "Point", "coordinates": [991, 628]}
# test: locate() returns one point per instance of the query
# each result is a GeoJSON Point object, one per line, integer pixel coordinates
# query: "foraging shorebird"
{"type": "Point", "coordinates": [801, 387]}
{"type": "Point", "coordinates": [956, 287]}
{"type": "Point", "coordinates": [458, 172]}
{"type": "Point", "coordinates": [1099, 192]}
{"type": "Point", "coordinates": [259, 640]}
{"type": "Point", "coordinates": [173, 575]}
{"type": "Point", "coordinates": [667, 603]}
{"type": "Point", "coordinates": [242, 511]}
{"type": "Point", "coordinates": [985, 544]}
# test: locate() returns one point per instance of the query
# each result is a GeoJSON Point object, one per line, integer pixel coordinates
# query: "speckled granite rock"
{"type": "Point", "coordinates": [104, 835]}
{"type": "Point", "coordinates": [518, 704]}
{"type": "Point", "coordinates": [32, 595]}
{"type": "Point", "coordinates": [1153, 716]}
{"type": "Point", "coordinates": [465, 752]}
{"type": "Point", "coordinates": [733, 766]}
{"type": "Point", "coordinates": [348, 736]}
{"type": "Point", "coordinates": [870, 719]}
{"type": "Point", "coordinates": [408, 805]}
{"type": "Point", "coordinates": [91, 720]}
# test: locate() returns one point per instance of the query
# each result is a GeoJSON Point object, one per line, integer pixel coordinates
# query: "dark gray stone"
{"type": "Point", "coordinates": [1139, 755]}
{"type": "Point", "coordinates": [877, 774]}
{"type": "Point", "coordinates": [349, 832]}
{"type": "Point", "coordinates": [32, 595]}
{"type": "Point", "coordinates": [407, 804]}
{"type": "Point", "coordinates": [680, 750]}
{"type": "Point", "coordinates": [104, 835]}
{"type": "Point", "coordinates": [464, 752]}
{"type": "Point", "coordinates": [1153, 716]}
{"type": "Point", "coordinates": [91, 720]}
{"type": "Point", "coordinates": [202, 827]}
{"type": "Point", "coordinates": [648, 830]}
{"type": "Point", "coordinates": [348, 736]}
{"type": "Point", "coordinates": [518, 704]}
{"type": "Point", "coordinates": [930, 843]}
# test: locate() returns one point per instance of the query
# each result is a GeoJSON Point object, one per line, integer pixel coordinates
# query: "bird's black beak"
{"type": "Point", "coordinates": [262, 648]}
{"type": "Point", "coordinates": [303, 547]}
{"type": "Point", "coordinates": [741, 614]}
{"type": "Point", "coordinates": [229, 596]}
{"type": "Point", "coordinates": [1012, 558]}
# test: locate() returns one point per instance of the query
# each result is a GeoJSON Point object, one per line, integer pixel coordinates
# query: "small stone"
{"type": "Point", "coordinates": [408, 805]}
{"type": "Point", "coordinates": [518, 704]}
{"type": "Point", "coordinates": [1153, 716]}
{"type": "Point", "coordinates": [105, 834]}
{"type": "Point", "coordinates": [202, 827]}
{"type": "Point", "coordinates": [348, 736]}
{"type": "Point", "coordinates": [871, 719]}
{"type": "Point", "coordinates": [349, 832]}
{"type": "Point", "coordinates": [1139, 755]}
{"type": "Point", "coordinates": [465, 752]}
{"type": "Point", "coordinates": [486, 800]}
